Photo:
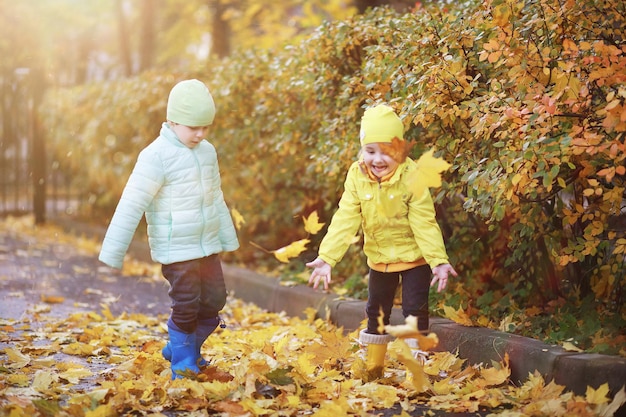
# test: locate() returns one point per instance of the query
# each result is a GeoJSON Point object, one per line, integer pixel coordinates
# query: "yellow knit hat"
{"type": "Point", "coordinates": [380, 124]}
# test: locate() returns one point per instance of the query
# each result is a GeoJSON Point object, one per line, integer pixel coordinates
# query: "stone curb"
{"type": "Point", "coordinates": [477, 345]}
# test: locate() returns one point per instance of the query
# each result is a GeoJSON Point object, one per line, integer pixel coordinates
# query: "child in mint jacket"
{"type": "Point", "coordinates": [176, 184]}
{"type": "Point", "coordinates": [402, 239]}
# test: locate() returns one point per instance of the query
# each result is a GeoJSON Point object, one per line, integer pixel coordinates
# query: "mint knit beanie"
{"type": "Point", "coordinates": [380, 124]}
{"type": "Point", "coordinates": [190, 104]}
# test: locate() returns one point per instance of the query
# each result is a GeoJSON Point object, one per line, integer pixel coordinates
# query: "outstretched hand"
{"type": "Point", "coordinates": [321, 271]}
{"type": "Point", "coordinates": [440, 276]}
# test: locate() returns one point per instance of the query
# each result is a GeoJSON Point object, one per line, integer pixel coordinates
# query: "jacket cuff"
{"type": "Point", "coordinates": [328, 260]}
{"type": "Point", "coordinates": [110, 262]}
{"type": "Point", "coordinates": [437, 261]}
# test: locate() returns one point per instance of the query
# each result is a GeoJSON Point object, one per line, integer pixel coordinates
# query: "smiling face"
{"type": "Point", "coordinates": [378, 162]}
{"type": "Point", "coordinates": [190, 136]}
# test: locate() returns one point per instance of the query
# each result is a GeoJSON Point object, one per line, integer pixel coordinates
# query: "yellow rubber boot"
{"type": "Point", "coordinates": [376, 345]}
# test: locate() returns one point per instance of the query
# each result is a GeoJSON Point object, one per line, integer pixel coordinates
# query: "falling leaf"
{"type": "Point", "coordinates": [312, 224]}
{"type": "Point", "coordinates": [237, 218]}
{"type": "Point", "coordinates": [291, 251]}
{"type": "Point", "coordinates": [397, 149]}
{"type": "Point", "coordinates": [427, 173]}
{"type": "Point", "coordinates": [415, 369]}
{"type": "Point", "coordinates": [409, 330]}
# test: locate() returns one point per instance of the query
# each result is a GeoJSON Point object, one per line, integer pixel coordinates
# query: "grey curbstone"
{"type": "Point", "coordinates": [590, 369]}
{"type": "Point", "coordinates": [480, 345]}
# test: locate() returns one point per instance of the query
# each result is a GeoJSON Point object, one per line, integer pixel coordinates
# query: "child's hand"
{"type": "Point", "coordinates": [440, 273]}
{"type": "Point", "coordinates": [321, 271]}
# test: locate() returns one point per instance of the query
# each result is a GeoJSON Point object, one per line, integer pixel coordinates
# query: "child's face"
{"type": "Point", "coordinates": [378, 162]}
{"type": "Point", "coordinates": [190, 136]}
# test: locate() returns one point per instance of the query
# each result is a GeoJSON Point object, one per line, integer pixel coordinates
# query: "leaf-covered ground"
{"type": "Point", "coordinates": [61, 358]}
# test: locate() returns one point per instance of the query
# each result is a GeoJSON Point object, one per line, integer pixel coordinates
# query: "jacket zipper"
{"type": "Point", "coordinates": [202, 205]}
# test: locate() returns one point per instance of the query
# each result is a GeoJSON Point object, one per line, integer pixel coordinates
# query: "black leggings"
{"type": "Point", "coordinates": [382, 290]}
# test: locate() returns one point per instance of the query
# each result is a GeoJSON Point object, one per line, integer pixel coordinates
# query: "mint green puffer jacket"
{"type": "Point", "coordinates": [179, 190]}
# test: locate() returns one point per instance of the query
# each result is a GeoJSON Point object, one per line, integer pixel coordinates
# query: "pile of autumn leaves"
{"type": "Point", "coordinates": [96, 364]}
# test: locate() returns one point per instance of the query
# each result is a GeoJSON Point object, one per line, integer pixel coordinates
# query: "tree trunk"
{"type": "Point", "coordinates": [127, 64]}
{"type": "Point", "coordinates": [221, 32]}
{"type": "Point", "coordinates": [38, 154]}
{"type": "Point", "coordinates": [147, 39]}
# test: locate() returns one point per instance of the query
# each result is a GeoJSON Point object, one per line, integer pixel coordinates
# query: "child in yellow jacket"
{"type": "Point", "coordinates": [401, 236]}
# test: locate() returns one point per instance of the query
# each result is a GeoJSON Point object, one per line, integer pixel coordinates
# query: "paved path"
{"type": "Point", "coordinates": [31, 272]}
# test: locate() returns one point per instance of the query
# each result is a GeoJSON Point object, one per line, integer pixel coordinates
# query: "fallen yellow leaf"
{"type": "Point", "coordinates": [52, 299]}
{"type": "Point", "coordinates": [458, 316]}
{"type": "Point", "coordinates": [494, 376]}
{"type": "Point", "coordinates": [17, 359]}
{"type": "Point", "coordinates": [569, 346]}
{"type": "Point", "coordinates": [598, 396]}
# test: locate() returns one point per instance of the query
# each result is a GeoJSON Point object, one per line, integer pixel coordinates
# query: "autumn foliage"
{"type": "Point", "coordinates": [525, 100]}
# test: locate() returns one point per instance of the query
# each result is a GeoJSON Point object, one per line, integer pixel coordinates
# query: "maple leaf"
{"type": "Point", "coordinates": [397, 149]}
{"type": "Point", "coordinates": [458, 316]}
{"type": "Point", "coordinates": [597, 396]}
{"type": "Point", "coordinates": [312, 224]}
{"type": "Point", "coordinates": [496, 375]}
{"type": "Point", "coordinates": [443, 364]}
{"type": "Point", "coordinates": [212, 373]}
{"type": "Point", "coordinates": [43, 380]}
{"type": "Point", "coordinates": [415, 368]}
{"type": "Point", "coordinates": [427, 173]}
{"type": "Point", "coordinates": [16, 359]}
{"type": "Point", "coordinates": [291, 251]}
{"type": "Point", "coordinates": [409, 330]}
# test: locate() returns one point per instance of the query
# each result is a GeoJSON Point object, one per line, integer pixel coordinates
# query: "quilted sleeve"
{"type": "Point", "coordinates": [143, 184]}
{"type": "Point", "coordinates": [344, 224]}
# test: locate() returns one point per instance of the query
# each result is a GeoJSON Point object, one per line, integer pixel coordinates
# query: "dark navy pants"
{"type": "Point", "coordinates": [382, 290]}
{"type": "Point", "coordinates": [197, 290]}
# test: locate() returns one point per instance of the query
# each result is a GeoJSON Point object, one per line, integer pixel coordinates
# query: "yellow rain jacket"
{"type": "Point", "coordinates": [400, 229]}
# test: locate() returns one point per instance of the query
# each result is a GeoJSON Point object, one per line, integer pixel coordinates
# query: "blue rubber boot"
{"type": "Point", "coordinates": [183, 351]}
{"type": "Point", "coordinates": [203, 331]}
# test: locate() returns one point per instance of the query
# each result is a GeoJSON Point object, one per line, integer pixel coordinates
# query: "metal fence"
{"type": "Point", "coordinates": [30, 179]}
